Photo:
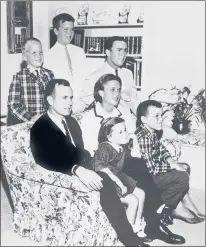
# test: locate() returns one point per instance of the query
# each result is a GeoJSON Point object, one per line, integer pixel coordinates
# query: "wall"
{"type": "Point", "coordinates": [174, 41]}
{"type": "Point", "coordinates": [174, 44]}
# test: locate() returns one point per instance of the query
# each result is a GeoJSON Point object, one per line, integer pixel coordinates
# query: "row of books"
{"type": "Point", "coordinates": [19, 40]}
{"type": "Point", "coordinates": [96, 45]}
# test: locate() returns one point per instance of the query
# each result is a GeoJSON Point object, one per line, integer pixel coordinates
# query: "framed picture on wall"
{"type": "Point", "coordinates": [19, 24]}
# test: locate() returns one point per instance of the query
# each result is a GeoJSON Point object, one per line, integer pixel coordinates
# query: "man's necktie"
{"type": "Point", "coordinates": [69, 60]}
{"type": "Point", "coordinates": [116, 72]}
{"type": "Point", "coordinates": [67, 130]}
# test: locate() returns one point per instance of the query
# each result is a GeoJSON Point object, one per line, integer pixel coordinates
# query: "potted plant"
{"type": "Point", "coordinates": [185, 112]}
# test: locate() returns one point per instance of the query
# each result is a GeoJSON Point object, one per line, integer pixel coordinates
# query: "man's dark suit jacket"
{"type": "Point", "coordinates": [51, 148]}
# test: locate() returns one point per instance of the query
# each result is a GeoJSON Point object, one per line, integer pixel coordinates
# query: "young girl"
{"type": "Point", "coordinates": [110, 158]}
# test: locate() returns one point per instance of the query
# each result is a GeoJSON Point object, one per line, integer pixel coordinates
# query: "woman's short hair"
{"type": "Point", "coordinates": [106, 128]}
{"type": "Point", "coordinates": [99, 85]}
{"type": "Point", "coordinates": [49, 90]}
{"type": "Point", "coordinates": [142, 109]}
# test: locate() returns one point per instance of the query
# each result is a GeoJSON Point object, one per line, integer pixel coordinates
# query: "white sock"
{"type": "Point", "coordinates": [159, 210]}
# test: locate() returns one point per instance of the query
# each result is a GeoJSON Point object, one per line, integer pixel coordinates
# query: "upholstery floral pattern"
{"type": "Point", "coordinates": [49, 207]}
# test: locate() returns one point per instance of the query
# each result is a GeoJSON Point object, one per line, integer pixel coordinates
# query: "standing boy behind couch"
{"type": "Point", "coordinates": [26, 92]}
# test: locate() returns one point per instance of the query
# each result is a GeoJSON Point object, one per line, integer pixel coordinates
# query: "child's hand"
{"type": "Point", "coordinates": [124, 190]}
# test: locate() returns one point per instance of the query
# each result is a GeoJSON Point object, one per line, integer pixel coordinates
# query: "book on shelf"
{"type": "Point", "coordinates": [136, 67]}
{"type": "Point", "coordinates": [96, 45]}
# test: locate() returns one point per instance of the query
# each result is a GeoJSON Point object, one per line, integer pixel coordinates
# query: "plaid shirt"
{"type": "Point", "coordinates": [26, 93]}
{"type": "Point", "coordinates": [153, 152]}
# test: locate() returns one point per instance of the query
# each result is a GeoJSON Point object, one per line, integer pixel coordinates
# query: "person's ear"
{"type": "Point", "coordinates": [143, 119]}
{"type": "Point", "coordinates": [50, 100]}
{"type": "Point", "coordinates": [107, 52]}
{"type": "Point", "coordinates": [24, 55]}
{"type": "Point", "coordinates": [109, 137]}
{"type": "Point", "coordinates": [101, 93]}
{"type": "Point", "coordinates": [56, 31]}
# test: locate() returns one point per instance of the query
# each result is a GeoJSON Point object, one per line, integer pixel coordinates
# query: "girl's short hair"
{"type": "Point", "coordinates": [142, 109]}
{"type": "Point", "coordinates": [99, 85]}
{"type": "Point", "coordinates": [106, 128]}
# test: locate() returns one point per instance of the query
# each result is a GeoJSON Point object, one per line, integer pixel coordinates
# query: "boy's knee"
{"type": "Point", "coordinates": [184, 177]}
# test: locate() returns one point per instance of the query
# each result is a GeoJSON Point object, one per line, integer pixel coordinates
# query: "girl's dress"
{"type": "Point", "coordinates": [106, 156]}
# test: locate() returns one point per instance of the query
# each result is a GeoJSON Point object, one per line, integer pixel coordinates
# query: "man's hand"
{"type": "Point", "coordinates": [90, 178]}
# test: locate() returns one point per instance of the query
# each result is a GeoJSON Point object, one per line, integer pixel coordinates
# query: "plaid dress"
{"type": "Point", "coordinates": [26, 95]}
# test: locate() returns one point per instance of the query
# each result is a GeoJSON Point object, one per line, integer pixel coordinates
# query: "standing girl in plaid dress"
{"type": "Point", "coordinates": [109, 158]}
{"type": "Point", "coordinates": [26, 92]}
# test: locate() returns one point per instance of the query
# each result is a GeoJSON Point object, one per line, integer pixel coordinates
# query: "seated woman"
{"type": "Point", "coordinates": [107, 93]}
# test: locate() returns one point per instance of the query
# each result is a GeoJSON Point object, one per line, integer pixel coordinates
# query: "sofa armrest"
{"type": "Point", "coordinates": [34, 172]}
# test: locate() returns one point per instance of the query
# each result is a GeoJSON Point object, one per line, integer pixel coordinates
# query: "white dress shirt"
{"type": "Point", "coordinates": [56, 60]}
{"type": "Point", "coordinates": [58, 122]}
{"type": "Point", "coordinates": [128, 95]}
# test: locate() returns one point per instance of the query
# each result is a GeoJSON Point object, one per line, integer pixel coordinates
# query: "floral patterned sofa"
{"type": "Point", "coordinates": [49, 207]}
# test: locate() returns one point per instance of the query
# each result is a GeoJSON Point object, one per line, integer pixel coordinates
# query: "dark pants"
{"type": "Point", "coordinates": [137, 169]}
{"type": "Point", "coordinates": [115, 212]}
{"type": "Point", "coordinates": [173, 185]}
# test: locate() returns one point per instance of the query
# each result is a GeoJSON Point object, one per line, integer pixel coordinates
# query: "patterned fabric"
{"type": "Point", "coordinates": [49, 207]}
{"type": "Point", "coordinates": [153, 151]}
{"type": "Point", "coordinates": [173, 146]}
{"type": "Point", "coordinates": [26, 93]}
{"type": "Point", "coordinates": [69, 60]}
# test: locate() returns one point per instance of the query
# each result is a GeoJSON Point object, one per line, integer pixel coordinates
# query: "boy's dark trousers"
{"type": "Point", "coordinates": [137, 169]}
{"type": "Point", "coordinates": [115, 212]}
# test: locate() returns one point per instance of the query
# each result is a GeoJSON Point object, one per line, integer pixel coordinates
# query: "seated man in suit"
{"type": "Point", "coordinates": [57, 145]}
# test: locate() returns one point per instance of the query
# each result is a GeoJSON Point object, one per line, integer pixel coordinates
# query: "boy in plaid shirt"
{"type": "Point", "coordinates": [170, 176]}
{"type": "Point", "coordinates": [26, 92]}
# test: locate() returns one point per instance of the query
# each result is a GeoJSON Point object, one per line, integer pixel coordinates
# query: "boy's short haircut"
{"type": "Point", "coordinates": [142, 109]}
{"type": "Point", "coordinates": [49, 90]}
{"type": "Point", "coordinates": [29, 40]}
{"type": "Point", "coordinates": [106, 128]}
{"type": "Point", "coordinates": [111, 40]}
{"type": "Point", "coordinates": [61, 18]}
